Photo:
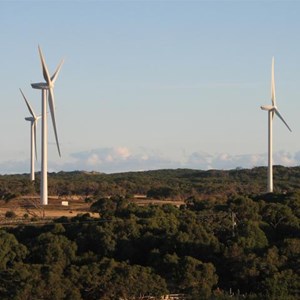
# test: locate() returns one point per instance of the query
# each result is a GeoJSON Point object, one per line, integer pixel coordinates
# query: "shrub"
{"type": "Point", "coordinates": [10, 214]}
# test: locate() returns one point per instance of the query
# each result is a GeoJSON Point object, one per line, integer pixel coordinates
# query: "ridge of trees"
{"type": "Point", "coordinates": [177, 184]}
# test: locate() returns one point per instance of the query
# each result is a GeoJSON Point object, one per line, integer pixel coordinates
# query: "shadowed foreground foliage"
{"type": "Point", "coordinates": [248, 244]}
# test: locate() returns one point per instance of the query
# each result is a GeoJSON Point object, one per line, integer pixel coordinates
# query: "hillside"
{"type": "Point", "coordinates": [183, 183]}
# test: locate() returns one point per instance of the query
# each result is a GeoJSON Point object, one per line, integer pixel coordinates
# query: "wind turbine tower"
{"type": "Point", "coordinates": [47, 91]}
{"type": "Point", "coordinates": [271, 109]}
{"type": "Point", "coordinates": [33, 120]}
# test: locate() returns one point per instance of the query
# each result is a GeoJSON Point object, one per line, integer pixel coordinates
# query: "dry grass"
{"type": "Point", "coordinates": [30, 206]}
{"type": "Point", "coordinates": [144, 202]}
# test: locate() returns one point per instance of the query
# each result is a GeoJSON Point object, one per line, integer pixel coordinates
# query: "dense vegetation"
{"type": "Point", "coordinates": [227, 238]}
{"type": "Point", "coordinates": [180, 183]}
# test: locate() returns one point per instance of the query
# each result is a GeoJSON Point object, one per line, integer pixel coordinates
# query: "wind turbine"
{"type": "Point", "coordinates": [33, 119]}
{"type": "Point", "coordinates": [47, 90]}
{"type": "Point", "coordinates": [271, 109]}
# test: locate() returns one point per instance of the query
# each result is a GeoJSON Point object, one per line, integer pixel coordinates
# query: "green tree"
{"type": "Point", "coordinates": [117, 280]}
{"type": "Point", "coordinates": [284, 285]}
{"type": "Point", "coordinates": [251, 237]}
{"type": "Point", "coordinates": [35, 281]}
{"type": "Point", "coordinates": [276, 214]}
{"type": "Point", "coordinates": [53, 249]}
{"type": "Point", "coordinates": [11, 250]}
{"type": "Point", "coordinates": [196, 278]}
{"type": "Point", "coordinates": [107, 207]}
{"type": "Point", "coordinates": [244, 208]}
{"type": "Point", "coordinates": [161, 193]}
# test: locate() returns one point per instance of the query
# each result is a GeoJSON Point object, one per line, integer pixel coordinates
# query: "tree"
{"type": "Point", "coordinates": [36, 281]}
{"type": "Point", "coordinates": [251, 237]}
{"type": "Point", "coordinates": [10, 250]}
{"type": "Point", "coordinates": [97, 238]}
{"type": "Point", "coordinates": [282, 285]}
{"type": "Point", "coordinates": [52, 249]}
{"type": "Point", "coordinates": [161, 193]}
{"type": "Point", "coordinates": [244, 208]}
{"type": "Point", "coordinates": [107, 207]}
{"type": "Point", "coordinates": [196, 278]}
{"type": "Point", "coordinates": [118, 280]}
{"type": "Point", "coordinates": [276, 214]}
{"type": "Point", "coordinates": [281, 221]}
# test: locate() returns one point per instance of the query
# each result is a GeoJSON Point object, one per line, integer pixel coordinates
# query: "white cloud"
{"type": "Point", "coordinates": [93, 160]}
{"type": "Point", "coordinates": [285, 158]}
{"type": "Point", "coordinates": [123, 152]}
{"type": "Point", "coordinates": [109, 158]}
{"type": "Point", "coordinates": [228, 161]}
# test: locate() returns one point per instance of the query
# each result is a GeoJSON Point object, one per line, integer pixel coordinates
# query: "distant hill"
{"type": "Point", "coordinates": [182, 183]}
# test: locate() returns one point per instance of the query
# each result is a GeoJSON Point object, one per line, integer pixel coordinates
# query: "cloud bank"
{"type": "Point", "coordinates": [122, 159]}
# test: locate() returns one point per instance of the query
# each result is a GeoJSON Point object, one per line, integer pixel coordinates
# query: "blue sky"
{"type": "Point", "coordinates": [152, 84]}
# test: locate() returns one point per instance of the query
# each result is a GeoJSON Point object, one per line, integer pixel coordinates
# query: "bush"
{"type": "Point", "coordinates": [88, 200]}
{"type": "Point", "coordinates": [10, 214]}
{"type": "Point", "coordinates": [161, 193]}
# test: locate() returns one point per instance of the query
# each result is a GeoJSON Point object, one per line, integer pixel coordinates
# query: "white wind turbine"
{"type": "Point", "coordinates": [33, 119]}
{"type": "Point", "coordinates": [271, 110]}
{"type": "Point", "coordinates": [47, 90]}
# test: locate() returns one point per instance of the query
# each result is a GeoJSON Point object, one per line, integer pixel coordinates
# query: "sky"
{"type": "Point", "coordinates": [151, 84]}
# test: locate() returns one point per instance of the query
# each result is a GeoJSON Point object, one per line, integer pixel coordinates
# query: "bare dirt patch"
{"type": "Point", "coordinates": [27, 208]}
{"type": "Point", "coordinates": [30, 206]}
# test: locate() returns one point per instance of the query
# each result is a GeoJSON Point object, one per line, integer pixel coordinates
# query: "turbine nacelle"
{"type": "Point", "coordinates": [268, 107]}
{"type": "Point", "coordinates": [31, 119]}
{"type": "Point", "coordinates": [40, 86]}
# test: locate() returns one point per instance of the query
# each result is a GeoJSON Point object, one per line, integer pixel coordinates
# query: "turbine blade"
{"type": "Point", "coordinates": [54, 76]}
{"type": "Point", "coordinates": [44, 66]}
{"type": "Point", "coordinates": [34, 124]}
{"type": "Point", "coordinates": [273, 97]}
{"type": "Point", "coordinates": [51, 106]}
{"type": "Point", "coordinates": [28, 105]}
{"type": "Point", "coordinates": [282, 119]}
